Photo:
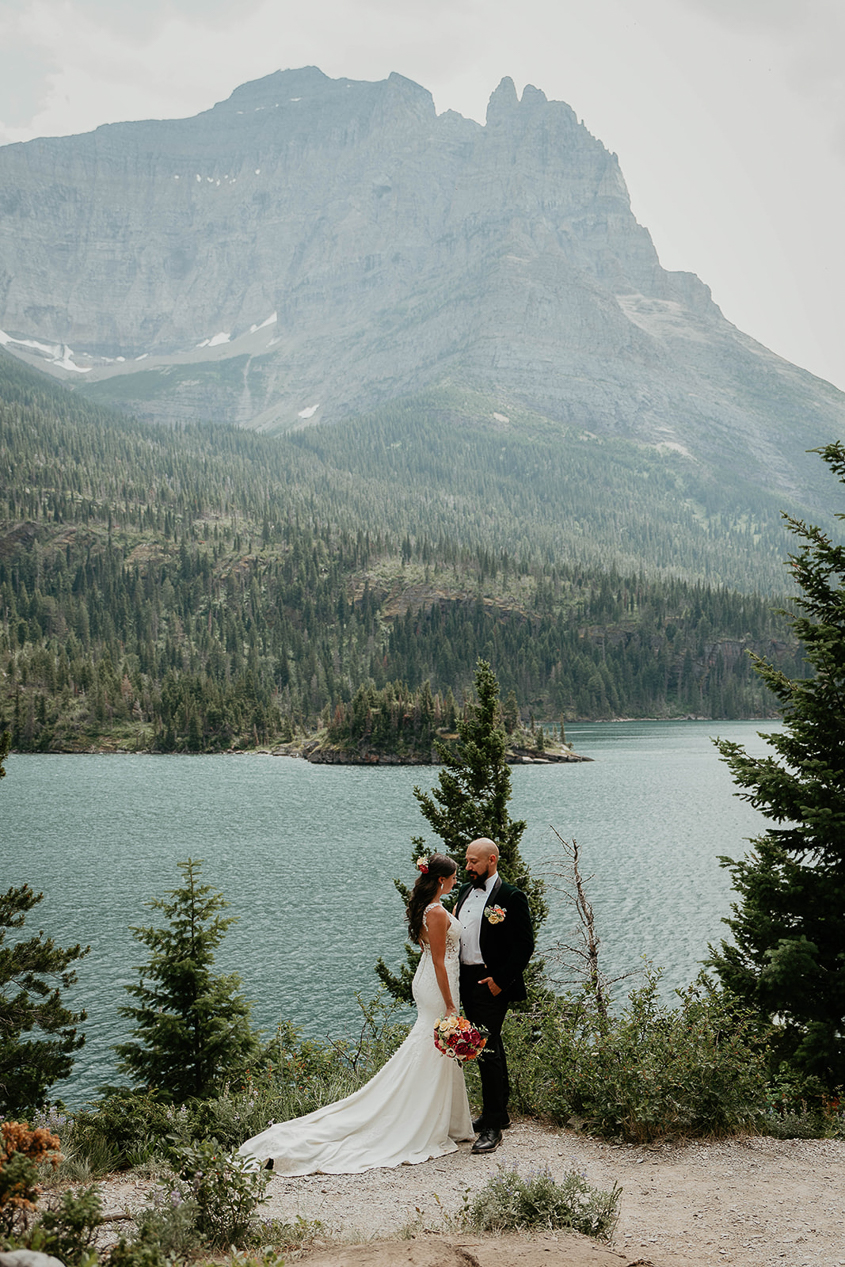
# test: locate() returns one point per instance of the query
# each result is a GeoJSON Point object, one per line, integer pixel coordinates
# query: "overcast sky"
{"type": "Point", "coordinates": [728, 116]}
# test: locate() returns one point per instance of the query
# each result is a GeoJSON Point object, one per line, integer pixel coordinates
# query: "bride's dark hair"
{"type": "Point", "coordinates": [425, 890]}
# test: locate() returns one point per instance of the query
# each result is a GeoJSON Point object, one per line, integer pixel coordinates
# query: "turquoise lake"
{"type": "Point", "coordinates": [306, 856]}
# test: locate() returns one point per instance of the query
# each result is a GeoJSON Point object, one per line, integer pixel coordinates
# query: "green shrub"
{"type": "Point", "coordinates": [510, 1203]}
{"type": "Point", "coordinates": [698, 1068]}
{"type": "Point", "coordinates": [92, 1158]}
{"type": "Point", "coordinates": [805, 1124]}
{"type": "Point", "coordinates": [268, 1259]}
{"type": "Point", "coordinates": [136, 1254]}
{"type": "Point", "coordinates": [225, 1189]}
{"type": "Point", "coordinates": [281, 1236]}
{"type": "Point", "coordinates": [123, 1129]}
{"type": "Point", "coordinates": [379, 1037]}
{"type": "Point", "coordinates": [799, 1107]}
{"type": "Point", "coordinates": [169, 1222]}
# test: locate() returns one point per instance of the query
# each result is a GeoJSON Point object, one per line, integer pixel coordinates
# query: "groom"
{"type": "Point", "coordinates": [497, 940]}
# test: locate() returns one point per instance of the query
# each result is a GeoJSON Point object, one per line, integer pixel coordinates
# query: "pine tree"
{"type": "Point", "coordinates": [788, 959]}
{"type": "Point", "coordinates": [33, 974]}
{"type": "Point", "coordinates": [471, 800]}
{"type": "Point", "coordinates": [192, 1028]}
{"type": "Point", "coordinates": [510, 713]}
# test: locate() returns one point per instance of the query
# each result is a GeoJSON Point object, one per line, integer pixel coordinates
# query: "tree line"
{"type": "Point", "coordinates": [194, 647]}
{"type": "Point", "coordinates": [197, 588]}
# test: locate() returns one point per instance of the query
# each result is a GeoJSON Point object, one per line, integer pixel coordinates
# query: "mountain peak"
{"type": "Point", "coordinates": [280, 85]}
{"type": "Point", "coordinates": [532, 97]}
{"type": "Point", "coordinates": [313, 247]}
{"type": "Point", "coordinates": [503, 101]}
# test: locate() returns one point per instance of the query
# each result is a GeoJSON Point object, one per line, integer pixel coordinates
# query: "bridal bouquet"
{"type": "Point", "coordinates": [458, 1038]}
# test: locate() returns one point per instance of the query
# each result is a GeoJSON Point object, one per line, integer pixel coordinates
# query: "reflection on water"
{"type": "Point", "coordinates": [306, 856]}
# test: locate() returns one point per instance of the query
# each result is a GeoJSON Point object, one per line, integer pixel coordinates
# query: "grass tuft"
{"type": "Point", "coordinates": [510, 1202]}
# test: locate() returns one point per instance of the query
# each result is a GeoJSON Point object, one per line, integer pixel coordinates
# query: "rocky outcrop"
{"type": "Point", "coordinates": [312, 247]}
{"type": "Point", "coordinates": [549, 756]}
{"type": "Point", "coordinates": [321, 753]}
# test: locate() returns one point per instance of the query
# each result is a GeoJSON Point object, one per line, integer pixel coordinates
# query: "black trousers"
{"type": "Point", "coordinates": [488, 1010]}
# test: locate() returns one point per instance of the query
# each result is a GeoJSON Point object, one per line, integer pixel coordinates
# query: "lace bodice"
{"type": "Point", "coordinates": [453, 936]}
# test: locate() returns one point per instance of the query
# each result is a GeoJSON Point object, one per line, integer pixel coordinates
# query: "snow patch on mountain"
{"type": "Point", "coordinates": [268, 321]}
{"type": "Point", "coordinates": [59, 355]}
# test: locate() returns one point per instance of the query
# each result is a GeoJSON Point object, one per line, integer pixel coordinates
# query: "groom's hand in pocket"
{"type": "Point", "coordinates": [491, 985]}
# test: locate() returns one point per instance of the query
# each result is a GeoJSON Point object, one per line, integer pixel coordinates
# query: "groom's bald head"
{"type": "Point", "coordinates": [482, 858]}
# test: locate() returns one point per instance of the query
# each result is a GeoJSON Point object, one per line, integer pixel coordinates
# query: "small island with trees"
{"type": "Point", "coordinates": [399, 726]}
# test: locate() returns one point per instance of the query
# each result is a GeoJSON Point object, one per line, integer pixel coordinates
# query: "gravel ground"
{"type": "Point", "coordinates": [753, 1201]}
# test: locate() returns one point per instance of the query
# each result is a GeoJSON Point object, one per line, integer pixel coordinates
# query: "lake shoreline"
{"type": "Point", "coordinates": [313, 751]}
{"type": "Point", "coordinates": [318, 752]}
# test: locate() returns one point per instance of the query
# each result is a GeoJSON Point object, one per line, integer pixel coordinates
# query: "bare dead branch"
{"type": "Point", "coordinates": [580, 957]}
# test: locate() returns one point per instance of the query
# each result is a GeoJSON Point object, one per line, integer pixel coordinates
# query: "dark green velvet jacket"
{"type": "Point", "coordinates": [508, 945]}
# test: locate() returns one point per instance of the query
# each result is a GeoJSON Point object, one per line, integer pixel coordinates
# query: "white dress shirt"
{"type": "Point", "coordinates": [470, 920]}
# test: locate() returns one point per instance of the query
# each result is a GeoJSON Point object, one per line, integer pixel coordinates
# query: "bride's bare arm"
{"type": "Point", "coordinates": [438, 925]}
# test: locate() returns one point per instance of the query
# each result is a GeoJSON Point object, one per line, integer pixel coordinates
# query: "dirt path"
{"type": "Point", "coordinates": [757, 1202]}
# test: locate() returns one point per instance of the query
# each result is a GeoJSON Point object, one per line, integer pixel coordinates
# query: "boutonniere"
{"type": "Point", "coordinates": [494, 914]}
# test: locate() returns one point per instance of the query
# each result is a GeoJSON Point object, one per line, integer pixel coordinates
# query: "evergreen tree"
{"type": "Point", "coordinates": [789, 926]}
{"type": "Point", "coordinates": [192, 1028]}
{"type": "Point", "coordinates": [33, 974]}
{"type": "Point", "coordinates": [471, 800]}
{"type": "Point", "coordinates": [510, 713]}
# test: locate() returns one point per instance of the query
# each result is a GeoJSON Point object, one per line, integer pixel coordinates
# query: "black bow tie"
{"type": "Point", "coordinates": [480, 884]}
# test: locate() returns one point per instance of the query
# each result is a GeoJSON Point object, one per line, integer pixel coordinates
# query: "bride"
{"type": "Point", "coordinates": [416, 1106]}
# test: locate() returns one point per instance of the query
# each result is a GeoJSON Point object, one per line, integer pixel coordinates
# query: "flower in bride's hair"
{"type": "Point", "coordinates": [422, 864]}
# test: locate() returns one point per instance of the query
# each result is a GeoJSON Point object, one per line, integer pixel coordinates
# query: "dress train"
{"type": "Point", "coordinates": [415, 1107]}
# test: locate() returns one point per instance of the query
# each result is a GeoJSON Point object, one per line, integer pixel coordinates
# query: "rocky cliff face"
{"type": "Point", "coordinates": [313, 247]}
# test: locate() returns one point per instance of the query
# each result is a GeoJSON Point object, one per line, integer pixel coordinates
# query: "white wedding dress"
{"type": "Point", "coordinates": [414, 1108]}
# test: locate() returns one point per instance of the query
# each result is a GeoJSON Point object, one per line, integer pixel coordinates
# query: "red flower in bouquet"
{"type": "Point", "coordinates": [457, 1038]}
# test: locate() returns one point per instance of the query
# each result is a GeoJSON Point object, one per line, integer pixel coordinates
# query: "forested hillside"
{"type": "Point", "coordinates": [202, 587]}
{"type": "Point", "coordinates": [446, 463]}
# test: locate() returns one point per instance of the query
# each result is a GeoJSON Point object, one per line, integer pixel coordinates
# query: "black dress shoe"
{"type": "Point", "coordinates": [478, 1124]}
{"type": "Point", "coordinates": [488, 1141]}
